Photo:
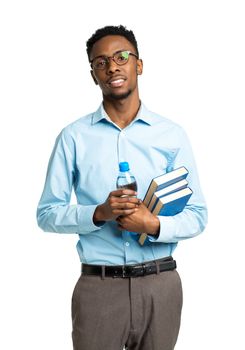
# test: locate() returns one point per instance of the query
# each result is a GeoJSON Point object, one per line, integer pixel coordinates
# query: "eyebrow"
{"type": "Point", "coordinates": [107, 55]}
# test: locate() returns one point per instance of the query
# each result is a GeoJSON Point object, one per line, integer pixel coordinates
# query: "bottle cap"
{"type": "Point", "coordinates": [124, 166]}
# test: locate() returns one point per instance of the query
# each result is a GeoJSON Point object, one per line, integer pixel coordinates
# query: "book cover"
{"type": "Point", "coordinates": [163, 181]}
{"type": "Point", "coordinates": [169, 205]}
{"type": "Point", "coordinates": [166, 190]}
{"type": "Point", "coordinates": [173, 203]}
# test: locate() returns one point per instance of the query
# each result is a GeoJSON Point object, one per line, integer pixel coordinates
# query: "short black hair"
{"type": "Point", "coordinates": [111, 30]}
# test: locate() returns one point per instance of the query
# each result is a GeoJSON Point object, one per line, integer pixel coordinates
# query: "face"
{"type": "Point", "coordinates": [116, 82]}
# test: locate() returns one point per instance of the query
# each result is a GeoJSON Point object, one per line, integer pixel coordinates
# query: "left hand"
{"type": "Point", "coordinates": [141, 221]}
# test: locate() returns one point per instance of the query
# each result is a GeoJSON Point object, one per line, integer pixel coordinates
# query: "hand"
{"type": "Point", "coordinates": [141, 221]}
{"type": "Point", "coordinates": [116, 205]}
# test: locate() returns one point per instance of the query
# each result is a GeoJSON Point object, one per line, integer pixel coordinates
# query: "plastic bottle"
{"type": "Point", "coordinates": [125, 178]}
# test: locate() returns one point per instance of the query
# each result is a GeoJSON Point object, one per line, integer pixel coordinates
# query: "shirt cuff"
{"type": "Point", "coordinates": [166, 232]}
{"type": "Point", "coordinates": [86, 214]}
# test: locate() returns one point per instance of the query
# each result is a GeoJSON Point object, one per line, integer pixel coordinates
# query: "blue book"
{"type": "Point", "coordinates": [163, 181]}
{"type": "Point", "coordinates": [169, 205]}
{"type": "Point", "coordinates": [174, 196]}
{"type": "Point", "coordinates": [173, 203]}
{"type": "Point", "coordinates": [165, 191]}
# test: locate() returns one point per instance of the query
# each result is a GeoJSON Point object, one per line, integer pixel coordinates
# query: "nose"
{"type": "Point", "coordinates": [112, 66]}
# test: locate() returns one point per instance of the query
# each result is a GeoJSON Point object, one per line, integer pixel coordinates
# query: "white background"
{"type": "Point", "coordinates": [193, 54]}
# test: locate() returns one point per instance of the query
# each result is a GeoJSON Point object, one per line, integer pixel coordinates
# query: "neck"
{"type": "Point", "coordinates": [123, 111]}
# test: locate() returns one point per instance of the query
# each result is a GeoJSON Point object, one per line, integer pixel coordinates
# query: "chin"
{"type": "Point", "coordinates": [121, 96]}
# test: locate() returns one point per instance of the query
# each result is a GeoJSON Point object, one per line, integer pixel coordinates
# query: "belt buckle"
{"type": "Point", "coordinates": [123, 272]}
{"type": "Point", "coordinates": [132, 272]}
{"type": "Point", "coordinates": [140, 270]}
{"type": "Point", "coordinates": [126, 271]}
{"type": "Point", "coordinates": [143, 269]}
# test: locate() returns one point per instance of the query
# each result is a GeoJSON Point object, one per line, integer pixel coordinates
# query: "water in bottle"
{"type": "Point", "coordinates": [125, 178]}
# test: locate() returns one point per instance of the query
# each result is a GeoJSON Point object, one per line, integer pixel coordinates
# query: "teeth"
{"type": "Point", "coordinates": [117, 81]}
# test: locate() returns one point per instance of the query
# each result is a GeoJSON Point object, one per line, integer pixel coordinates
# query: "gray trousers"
{"type": "Point", "coordinates": [141, 313]}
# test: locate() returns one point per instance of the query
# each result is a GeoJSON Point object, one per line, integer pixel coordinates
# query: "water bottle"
{"type": "Point", "coordinates": [125, 178]}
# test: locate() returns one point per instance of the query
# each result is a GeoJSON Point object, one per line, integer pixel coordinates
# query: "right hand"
{"type": "Point", "coordinates": [116, 205]}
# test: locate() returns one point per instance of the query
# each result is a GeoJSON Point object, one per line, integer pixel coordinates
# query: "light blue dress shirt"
{"type": "Point", "coordinates": [86, 157]}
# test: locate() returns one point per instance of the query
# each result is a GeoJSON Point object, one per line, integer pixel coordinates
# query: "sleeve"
{"type": "Point", "coordinates": [193, 219]}
{"type": "Point", "coordinates": [54, 212]}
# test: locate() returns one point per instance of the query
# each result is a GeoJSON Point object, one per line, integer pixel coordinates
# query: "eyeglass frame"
{"type": "Point", "coordinates": [107, 58]}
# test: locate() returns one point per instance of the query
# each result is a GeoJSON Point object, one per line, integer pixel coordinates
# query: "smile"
{"type": "Point", "coordinates": [116, 83]}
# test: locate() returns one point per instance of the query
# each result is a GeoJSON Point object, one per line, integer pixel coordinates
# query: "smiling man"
{"type": "Point", "coordinates": [128, 295]}
{"type": "Point", "coordinates": [115, 68]}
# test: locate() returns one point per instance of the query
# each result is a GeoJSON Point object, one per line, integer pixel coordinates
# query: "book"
{"type": "Point", "coordinates": [167, 195]}
{"type": "Point", "coordinates": [163, 181]}
{"type": "Point", "coordinates": [172, 203]}
{"type": "Point", "coordinates": [169, 205]}
{"type": "Point", "coordinates": [166, 190]}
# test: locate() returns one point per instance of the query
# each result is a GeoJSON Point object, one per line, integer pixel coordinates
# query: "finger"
{"type": "Point", "coordinates": [123, 192]}
{"type": "Point", "coordinates": [124, 206]}
{"type": "Point", "coordinates": [122, 201]}
{"type": "Point", "coordinates": [118, 201]}
{"type": "Point", "coordinates": [128, 199]}
{"type": "Point", "coordinates": [124, 212]}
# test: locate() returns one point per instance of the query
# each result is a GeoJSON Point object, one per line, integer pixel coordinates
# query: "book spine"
{"type": "Point", "coordinates": [152, 202]}
{"type": "Point", "coordinates": [149, 193]}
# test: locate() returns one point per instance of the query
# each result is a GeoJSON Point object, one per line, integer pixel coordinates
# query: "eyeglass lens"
{"type": "Point", "coordinates": [119, 58]}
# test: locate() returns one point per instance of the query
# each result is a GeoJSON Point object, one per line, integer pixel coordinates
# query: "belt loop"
{"type": "Point", "coordinates": [157, 267]}
{"type": "Point", "coordinates": [103, 272]}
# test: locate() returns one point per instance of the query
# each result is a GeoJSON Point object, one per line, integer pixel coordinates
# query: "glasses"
{"type": "Point", "coordinates": [119, 57]}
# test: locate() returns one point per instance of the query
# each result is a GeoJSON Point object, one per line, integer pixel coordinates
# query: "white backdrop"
{"type": "Point", "coordinates": [193, 54]}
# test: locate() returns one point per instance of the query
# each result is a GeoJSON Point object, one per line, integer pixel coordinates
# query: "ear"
{"type": "Point", "coordinates": [139, 67]}
{"type": "Point", "coordinates": [94, 79]}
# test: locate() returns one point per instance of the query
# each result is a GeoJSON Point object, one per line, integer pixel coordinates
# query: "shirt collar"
{"type": "Point", "coordinates": [143, 115]}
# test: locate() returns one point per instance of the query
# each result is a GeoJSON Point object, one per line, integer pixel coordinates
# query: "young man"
{"type": "Point", "coordinates": [127, 295]}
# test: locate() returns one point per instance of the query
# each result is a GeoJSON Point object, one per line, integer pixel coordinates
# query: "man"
{"type": "Point", "coordinates": [128, 294]}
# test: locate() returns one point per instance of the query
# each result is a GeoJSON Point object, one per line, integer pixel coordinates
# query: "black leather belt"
{"type": "Point", "coordinates": [124, 271]}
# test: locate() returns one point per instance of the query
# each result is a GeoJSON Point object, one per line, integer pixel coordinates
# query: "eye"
{"type": "Point", "coordinates": [100, 62]}
{"type": "Point", "coordinates": [122, 56]}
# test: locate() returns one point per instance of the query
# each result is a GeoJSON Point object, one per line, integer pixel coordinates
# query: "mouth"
{"type": "Point", "coordinates": [116, 82]}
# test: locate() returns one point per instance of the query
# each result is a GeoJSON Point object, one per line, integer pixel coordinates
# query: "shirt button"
{"type": "Point", "coordinates": [127, 244]}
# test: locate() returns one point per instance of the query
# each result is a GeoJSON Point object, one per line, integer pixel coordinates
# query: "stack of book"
{"type": "Point", "coordinates": [167, 194]}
